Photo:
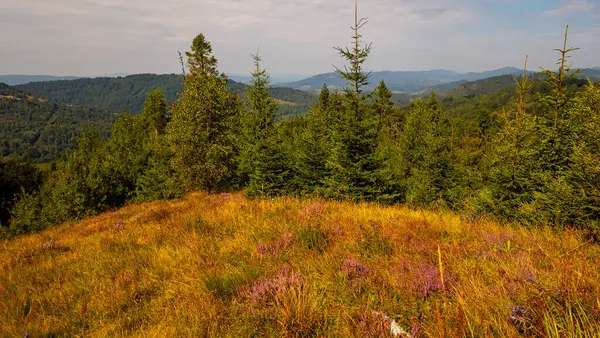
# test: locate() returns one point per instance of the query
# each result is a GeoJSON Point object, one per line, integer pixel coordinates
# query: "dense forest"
{"type": "Point", "coordinates": [129, 93]}
{"type": "Point", "coordinates": [35, 129]}
{"type": "Point", "coordinates": [529, 153]}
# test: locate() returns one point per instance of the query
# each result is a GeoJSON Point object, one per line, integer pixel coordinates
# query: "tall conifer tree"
{"type": "Point", "coordinates": [354, 164]}
{"type": "Point", "coordinates": [314, 145]}
{"type": "Point", "coordinates": [204, 130]}
{"type": "Point", "coordinates": [264, 157]}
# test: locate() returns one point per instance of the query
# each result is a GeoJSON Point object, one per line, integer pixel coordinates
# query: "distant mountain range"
{"type": "Point", "coordinates": [13, 80]}
{"type": "Point", "coordinates": [416, 82]}
{"type": "Point", "coordinates": [18, 79]}
{"type": "Point", "coordinates": [409, 82]}
{"type": "Point", "coordinates": [593, 73]}
{"type": "Point", "coordinates": [276, 78]}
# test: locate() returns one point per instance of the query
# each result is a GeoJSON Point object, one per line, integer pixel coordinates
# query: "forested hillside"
{"type": "Point", "coordinates": [35, 129]}
{"type": "Point", "coordinates": [128, 93]}
{"type": "Point", "coordinates": [499, 83]}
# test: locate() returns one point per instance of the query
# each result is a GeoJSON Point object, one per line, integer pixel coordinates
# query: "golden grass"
{"type": "Point", "coordinates": [9, 97]}
{"type": "Point", "coordinates": [225, 266]}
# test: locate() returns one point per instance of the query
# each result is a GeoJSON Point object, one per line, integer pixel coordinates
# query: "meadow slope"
{"type": "Point", "coordinates": [226, 266]}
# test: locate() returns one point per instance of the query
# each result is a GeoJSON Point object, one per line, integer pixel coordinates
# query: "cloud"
{"type": "Point", "coordinates": [570, 7]}
{"type": "Point", "coordinates": [85, 37]}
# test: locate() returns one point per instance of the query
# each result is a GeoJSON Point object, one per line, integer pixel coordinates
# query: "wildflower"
{"type": "Point", "coordinates": [354, 269]}
{"type": "Point", "coordinates": [275, 248]}
{"type": "Point", "coordinates": [519, 317]}
{"type": "Point", "coordinates": [530, 278]}
{"type": "Point", "coordinates": [428, 280]}
{"type": "Point", "coordinates": [119, 225]}
{"type": "Point", "coordinates": [263, 290]}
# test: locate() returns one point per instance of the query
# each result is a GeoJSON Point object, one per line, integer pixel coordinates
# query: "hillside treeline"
{"type": "Point", "coordinates": [535, 160]}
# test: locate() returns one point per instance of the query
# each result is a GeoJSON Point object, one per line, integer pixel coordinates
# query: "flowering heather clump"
{"type": "Point", "coordinates": [427, 279]}
{"type": "Point", "coordinates": [206, 264]}
{"type": "Point", "coordinates": [264, 290]}
{"type": "Point", "coordinates": [119, 225]}
{"type": "Point", "coordinates": [497, 238]}
{"type": "Point", "coordinates": [520, 317]}
{"type": "Point", "coordinates": [53, 246]}
{"type": "Point", "coordinates": [275, 248]}
{"type": "Point", "coordinates": [312, 211]}
{"type": "Point", "coordinates": [48, 245]}
{"type": "Point", "coordinates": [354, 269]}
{"type": "Point", "coordinates": [530, 278]}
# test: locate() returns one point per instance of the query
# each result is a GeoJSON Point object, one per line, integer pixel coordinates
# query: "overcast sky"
{"type": "Point", "coordinates": [94, 37]}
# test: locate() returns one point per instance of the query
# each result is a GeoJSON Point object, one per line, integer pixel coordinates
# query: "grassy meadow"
{"type": "Point", "coordinates": [225, 266]}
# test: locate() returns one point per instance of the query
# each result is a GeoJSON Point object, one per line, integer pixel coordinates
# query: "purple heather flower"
{"type": "Point", "coordinates": [519, 318]}
{"type": "Point", "coordinates": [530, 278]}
{"type": "Point", "coordinates": [266, 288]}
{"type": "Point", "coordinates": [428, 280]}
{"type": "Point", "coordinates": [354, 269]}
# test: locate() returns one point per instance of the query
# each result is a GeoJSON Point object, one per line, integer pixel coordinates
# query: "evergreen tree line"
{"type": "Point", "coordinates": [536, 161]}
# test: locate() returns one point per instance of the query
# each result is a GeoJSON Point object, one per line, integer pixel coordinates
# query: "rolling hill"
{"type": "Point", "coordinates": [33, 128]}
{"type": "Point", "coordinates": [129, 92]}
{"type": "Point", "coordinates": [485, 86]}
{"type": "Point", "coordinates": [13, 80]}
{"type": "Point", "coordinates": [593, 73]}
{"type": "Point", "coordinates": [499, 83]}
{"type": "Point", "coordinates": [409, 82]}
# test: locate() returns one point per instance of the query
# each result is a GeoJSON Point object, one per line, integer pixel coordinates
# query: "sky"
{"type": "Point", "coordinates": [101, 37]}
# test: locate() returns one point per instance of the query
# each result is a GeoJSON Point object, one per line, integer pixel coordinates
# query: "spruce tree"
{"type": "Point", "coordinates": [155, 112]}
{"type": "Point", "coordinates": [201, 60]}
{"type": "Point", "coordinates": [388, 131]}
{"type": "Point", "coordinates": [204, 129]}
{"type": "Point", "coordinates": [425, 150]}
{"type": "Point", "coordinates": [313, 146]}
{"type": "Point", "coordinates": [512, 163]}
{"type": "Point", "coordinates": [555, 132]}
{"type": "Point", "coordinates": [557, 138]}
{"type": "Point", "coordinates": [264, 157]}
{"type": "Point", "coordinates": [355, 168]}
{"type": "Point", "coordinates": [383, 107]}
{"type": "Point", "coordinates": [584, 174]}
{"type": "Point", "coordinates": [156, 181]}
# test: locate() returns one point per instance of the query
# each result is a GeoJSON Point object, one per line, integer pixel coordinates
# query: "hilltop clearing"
{"type": "Point", "coordinates": [226, 266]}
